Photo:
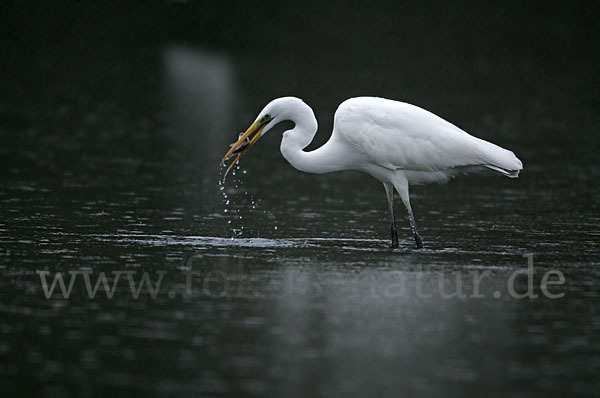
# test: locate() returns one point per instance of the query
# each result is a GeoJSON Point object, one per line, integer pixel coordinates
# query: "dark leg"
{"type": "Point", "coordinates": [403, 191]}
{"type": "Point", "coordinates": [394, 233]}
{"type": "Point", "coordinates": [389, 192]}
{"type": "Point", "coordinates": [413, 227]}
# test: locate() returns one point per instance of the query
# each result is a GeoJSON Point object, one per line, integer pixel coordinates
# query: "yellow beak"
{"type": "Point", "coordinates": [257, 128]}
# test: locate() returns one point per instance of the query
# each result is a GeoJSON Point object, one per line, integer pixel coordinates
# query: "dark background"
{"type": "Point", "coordinates": [113, 118]}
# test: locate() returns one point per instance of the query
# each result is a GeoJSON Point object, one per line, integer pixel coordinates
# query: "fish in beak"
{"type": "Point", "coordinates": [245, 141]}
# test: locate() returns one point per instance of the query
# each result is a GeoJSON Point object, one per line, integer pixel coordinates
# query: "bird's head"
{"type": "Point", "coordinates": [276, 111]}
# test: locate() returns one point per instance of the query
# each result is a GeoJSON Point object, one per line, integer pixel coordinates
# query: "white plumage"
{"type": "Point", "coordinates": [397, 143]}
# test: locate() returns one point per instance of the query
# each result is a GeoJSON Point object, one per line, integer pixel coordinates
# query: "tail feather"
{"type": "Point", "coordinates": [500, 160]}
{"type": "Point", "coordinates": [504, 172]}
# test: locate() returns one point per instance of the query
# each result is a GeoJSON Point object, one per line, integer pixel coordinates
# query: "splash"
{"type": "Point", "coordinates": [235, 214]}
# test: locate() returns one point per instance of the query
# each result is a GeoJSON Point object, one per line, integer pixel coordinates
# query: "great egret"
{"type": "Point", "coordinates": [397, 143]}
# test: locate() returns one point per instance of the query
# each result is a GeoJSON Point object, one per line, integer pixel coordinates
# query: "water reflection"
{"type": "Point", "coordinates": [364, 338]}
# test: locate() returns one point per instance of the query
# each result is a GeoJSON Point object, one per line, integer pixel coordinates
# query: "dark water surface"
{"type": "Point", "coordinates": [112, 123]}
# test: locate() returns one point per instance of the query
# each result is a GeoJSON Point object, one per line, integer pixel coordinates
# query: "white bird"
{"type": "Point", "coordinates": [397, 143]}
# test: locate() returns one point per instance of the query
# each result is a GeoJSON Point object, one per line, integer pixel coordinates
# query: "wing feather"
{"type": "Point", "coordinates": [397, 135]}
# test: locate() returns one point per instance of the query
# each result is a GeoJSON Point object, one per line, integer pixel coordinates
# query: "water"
{"type": "Point", "coordinates": [112, 130]}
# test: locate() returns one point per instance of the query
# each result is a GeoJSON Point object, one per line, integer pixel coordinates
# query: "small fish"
{"type": "Point", "coordinates": [242, 146]}
{"type": "Point", "coordinates": [237, 151]}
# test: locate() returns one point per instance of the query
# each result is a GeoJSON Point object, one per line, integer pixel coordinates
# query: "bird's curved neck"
{"type": "Point", "coordinates": [319, 161]}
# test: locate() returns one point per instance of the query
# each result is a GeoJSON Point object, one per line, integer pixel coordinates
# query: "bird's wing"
{"type": "Point", "coordinates": [398, 135]}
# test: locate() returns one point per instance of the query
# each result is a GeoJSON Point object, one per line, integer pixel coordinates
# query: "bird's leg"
{"type": "Point", "coordinates": [389, 192]}
{"type": "Point", "coordinates": [413, 227]}
{"type": "Point", "coordinates": [402, 188]}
